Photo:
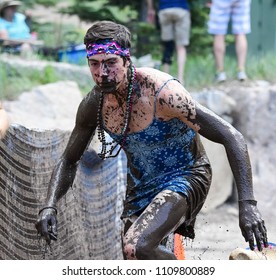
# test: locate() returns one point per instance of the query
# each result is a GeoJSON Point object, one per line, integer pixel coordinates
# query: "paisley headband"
{"type": "Point", "coordinates": [108, 47]}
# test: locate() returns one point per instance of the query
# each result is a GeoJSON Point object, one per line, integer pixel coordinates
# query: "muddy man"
{"type": "Point", "coordinates": [151, 116]}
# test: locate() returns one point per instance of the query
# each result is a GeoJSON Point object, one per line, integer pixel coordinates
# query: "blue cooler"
{"type": "Point", "coordinates": [73, 54]}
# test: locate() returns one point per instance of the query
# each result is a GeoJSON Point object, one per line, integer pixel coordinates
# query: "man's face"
{"type": "Point", "coordinates": [108, 71]}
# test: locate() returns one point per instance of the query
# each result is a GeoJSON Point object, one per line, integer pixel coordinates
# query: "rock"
{"type": "Point", "coordinates": [49, 106]}
{"type": "Point", "coordinates": [246, 254]}
{"type": "Point", "coordinates": [217, 101]}
{"type": "Point", "coordinates": [253, 114]}
{"type": "Point", "coordinates": [255, 117]}
{"type": "Point", "coordinates": [146, 61]}
{"type": "Point", "coordinates": [222, 180]}
{"type": "Point", "coordinates": [262, 83]}
{"type": "Point", "coordinates": [63, 71]}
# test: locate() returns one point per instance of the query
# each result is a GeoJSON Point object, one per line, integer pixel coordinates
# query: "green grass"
{"type": "Point", "coordinates": [263, 68]}
{"type": "Point", "coordinates": [14, 82]}
{"type": "Point", "coordinates": [200, 71]}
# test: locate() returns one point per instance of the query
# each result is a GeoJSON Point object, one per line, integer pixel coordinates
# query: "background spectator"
{"type": "Point", "coordinates": [13, 27]}
{"type": "Point", "coordinates": [220, 14]}
{"type": "Point", "coordinates": [175, 23]}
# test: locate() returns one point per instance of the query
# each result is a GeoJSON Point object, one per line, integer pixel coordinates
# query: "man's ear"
{"type": "Point", "coordinates": [126, 61]}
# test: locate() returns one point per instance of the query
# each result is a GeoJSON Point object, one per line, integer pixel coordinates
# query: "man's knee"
{"type": "Point", "coordinates": [136, 249]}
{"type": "Point", "coordinates": [129, 250]}
{"type": "Point", "coordinates": [144, 251]}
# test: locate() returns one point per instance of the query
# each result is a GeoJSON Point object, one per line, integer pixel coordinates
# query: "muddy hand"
{"type": "Point", "coordinates": [46, 224]}
{"type": "Point", "coordinates": [252, 225]}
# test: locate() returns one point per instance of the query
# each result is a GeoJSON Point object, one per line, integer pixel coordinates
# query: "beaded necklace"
{"type": "Point", "coordinates": [107, 153]}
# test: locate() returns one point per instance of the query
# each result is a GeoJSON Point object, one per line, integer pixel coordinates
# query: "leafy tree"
{"type": "Point", "coordinates": [200, 40]}
{"type": "Point", "coordinates": [102, 10]}
{"type": "Point", "coordinates": [146, 38]}
{"type": "Point", "coordinates": [46, 3]}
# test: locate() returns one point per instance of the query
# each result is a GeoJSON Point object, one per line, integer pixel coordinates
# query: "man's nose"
{"type": "Point", "coordinates": [103, 70]}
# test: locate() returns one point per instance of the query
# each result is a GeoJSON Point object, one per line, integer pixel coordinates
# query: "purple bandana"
{"type": "Point", "coordinates": [109, 47]}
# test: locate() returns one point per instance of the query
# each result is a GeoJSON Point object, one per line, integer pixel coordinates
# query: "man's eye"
{"type": "Point", "coordinates": [111, 62]}
{"type": "Point", "coordinates": [93, 64]}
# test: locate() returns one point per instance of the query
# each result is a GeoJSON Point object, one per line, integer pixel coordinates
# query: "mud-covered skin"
{"type": "Point", "coordinates": [163, 215]}
{"type": "Point", "coordinates": [111, 72]}
{"type": "Point", "coordinates": [252, 224]}
{"type": "Point", "coordinates": [214, 128]}
{"type": "Point", "coordinates": [64, 173]}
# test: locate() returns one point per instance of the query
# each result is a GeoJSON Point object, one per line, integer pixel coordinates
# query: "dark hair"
{"type": "Point", "coordinates": [101, 30]}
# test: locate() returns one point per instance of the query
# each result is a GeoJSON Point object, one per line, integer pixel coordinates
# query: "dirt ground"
{"type": "Point", "coordinates": [218, 234]}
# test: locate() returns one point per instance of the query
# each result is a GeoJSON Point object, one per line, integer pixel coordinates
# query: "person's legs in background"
{"type": "Point", "coordinates": [241, 26]}
{"type": "Point", "coordinates": [241, 51]}
{"type": "Point", "coordinates": [217, 26]}
{"type": "Point", "coordinates": [181, 61]}
{"type": "Point", "coordinates": [219, 53]}
{"type": "Point", "coordinates": [167, 55]}
{"type": "Point", "coordinates": [166, 26]}
{"type": "Point", "coordinates": [175, 24]}
{"type": "Point", "coordinates": [182, 29]}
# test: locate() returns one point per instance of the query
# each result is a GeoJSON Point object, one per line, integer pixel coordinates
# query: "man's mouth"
{"type": "Point", "coordinates": [107, 86]}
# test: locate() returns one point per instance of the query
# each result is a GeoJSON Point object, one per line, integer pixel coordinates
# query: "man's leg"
{"type": "Point", "coordinates": [181, 60]}
{"type": "Point", "coordinates": [241, 26]}
{"type": "Point", "coordinates": [166, 26]}
{"type": "Point", "coordinates": [219, 52]}
{"type": "Point", "coordinates": [241, 50]}
{"type": "Point", "coordinates": [166, 68]}
{"type": "Point", "coordinates": [182, 28]}
{"type": "Point", "coordinates": [164, 214]}
{"type": "Point", "coordinates": [167, 55]}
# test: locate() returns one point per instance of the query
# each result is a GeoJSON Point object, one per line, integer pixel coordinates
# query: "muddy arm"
{"type": "Point", "coordinates": [64, 173]}
{"type": "Point", "coordinates": [177, 102]}
{"type": "Point", "coordinates": [217, 130]}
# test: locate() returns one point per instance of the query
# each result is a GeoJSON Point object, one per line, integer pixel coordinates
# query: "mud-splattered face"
{"type": "Point", "coordinates": [109, 71]}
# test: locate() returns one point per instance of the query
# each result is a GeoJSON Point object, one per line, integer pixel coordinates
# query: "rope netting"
{"type": "Point", "coordinates": [89, 225]}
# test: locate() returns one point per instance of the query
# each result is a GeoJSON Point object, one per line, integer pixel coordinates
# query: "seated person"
{"type": "Point", "coordinates": [14, 31]}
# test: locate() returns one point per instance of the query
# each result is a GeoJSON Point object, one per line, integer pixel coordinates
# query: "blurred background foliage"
{"type": "Point", "coordinates": [46, 3]}
{"type": "Point", "coordinates": [146, 37]}
{"type": "Point", "coordinates": [146, 40]}
{"type": "Point", "coordinates": [132, 13]}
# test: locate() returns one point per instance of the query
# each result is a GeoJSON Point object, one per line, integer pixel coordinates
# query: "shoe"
{"type": "Point", "coordinates": [241, 76]}
{"type": "Point", "coordinates": [220, 77]}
